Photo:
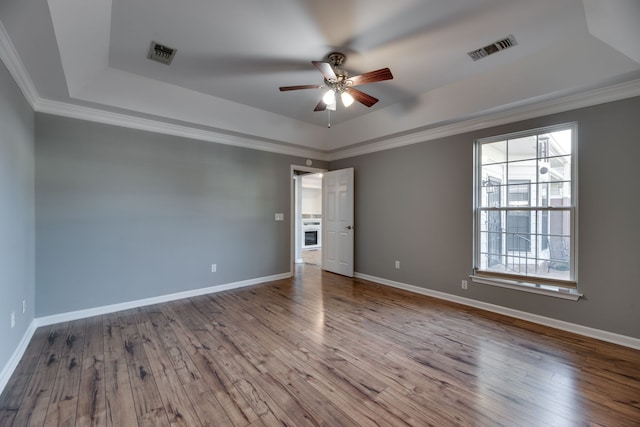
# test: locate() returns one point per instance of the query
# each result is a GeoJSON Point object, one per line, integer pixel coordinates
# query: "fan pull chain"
{"type": "Point", "coordinates": [329, 124]}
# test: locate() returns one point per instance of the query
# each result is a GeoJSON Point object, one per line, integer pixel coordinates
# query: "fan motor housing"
{"type": "Point", "coordinates": [336, 58]}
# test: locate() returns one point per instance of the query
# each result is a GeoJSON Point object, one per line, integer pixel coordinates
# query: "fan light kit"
{"type": "Point", "coordinates": [338, 82]}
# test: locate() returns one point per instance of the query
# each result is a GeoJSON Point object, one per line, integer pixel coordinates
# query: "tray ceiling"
{"type": "Point", "coordinates": [232, 57]}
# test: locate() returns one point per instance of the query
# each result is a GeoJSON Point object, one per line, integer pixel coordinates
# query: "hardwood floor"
{"type": "Point", "coordinates": [318, 349]}
{"type": "Point", "coordinates": [312, 256]}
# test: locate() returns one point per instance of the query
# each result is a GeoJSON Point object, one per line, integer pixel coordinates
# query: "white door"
{"type": "Point", "coordinates": [337, 222]}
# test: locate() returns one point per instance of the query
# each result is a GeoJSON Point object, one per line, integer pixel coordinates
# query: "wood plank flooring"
{"type": "Point", "coordinates": [318, 349]}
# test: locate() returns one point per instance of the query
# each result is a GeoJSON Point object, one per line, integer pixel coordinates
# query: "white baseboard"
{"type": "Point", "coordinates": [523, 315]}
{"type": "Point", "coordinates": [106, 309]}
{"type": "Point", "coordinates": [12, 364]}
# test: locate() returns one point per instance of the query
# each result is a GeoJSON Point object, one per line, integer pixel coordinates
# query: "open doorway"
{"type": "Point", "coordinates": [307, 215]}
{"type": "Point", "coordinates": [311, 213]}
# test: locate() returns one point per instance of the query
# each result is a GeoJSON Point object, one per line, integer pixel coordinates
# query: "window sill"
{"type": "Point", "coordinates": [551, 291]}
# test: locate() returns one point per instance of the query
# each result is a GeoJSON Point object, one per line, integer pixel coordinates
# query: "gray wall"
{"type": "Point", "coordinates": [16, 214]}
{"type": "Point", "coordinates": [414, 204]}
{"type": "Point", "coordinates": [123, 215]}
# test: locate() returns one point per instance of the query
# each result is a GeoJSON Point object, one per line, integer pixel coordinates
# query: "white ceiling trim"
{"type": "Point", "coordinates": [585, 99]}
{"type": "Point", "coordinates": [157, 126]}
{"type": "Point", "coordinates": [123, 90]}
{"type": "Point", "coordinates": [571, 102]}
{"type": "Point", "coordinates": [11, 60]}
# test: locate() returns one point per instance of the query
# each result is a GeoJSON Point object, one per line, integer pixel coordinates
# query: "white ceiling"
{"type": "Point", "coordinates": [87, 58]}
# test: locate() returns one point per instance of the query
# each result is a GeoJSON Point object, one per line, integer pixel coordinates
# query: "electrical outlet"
{"type": "Point", "coordinates": [465, 286]}
{"type": "Point", "coordinates": [214, 268]}
{"type": "Point", "coordinates": [13, 319]}
{"type": "Point", "coordinates": [279, 217]}
{"type": "Point", "coordinates": [24, 306]}
{"type": "Point", "coordinates": [398, 265]}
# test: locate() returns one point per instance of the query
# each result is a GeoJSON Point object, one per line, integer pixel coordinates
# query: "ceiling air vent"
{"type": "Point", "coordinates": [493, 48]}
{"type": "Point", "coordinates": [161, 53]}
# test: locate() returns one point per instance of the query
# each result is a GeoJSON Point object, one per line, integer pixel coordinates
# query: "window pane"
{"type": "Point", "coordinates": [559, 194]}
{"type": "Point", "coordinates": [494, 152]}
{"type": "Point", "coordinates": [491, 196]}
{"type": "Point", "coordinates": [558, 224]}
{"type": "Point", "coordinates": [522, 171]}
{"type": "Point", "coordinates": [559, 169]}
{"type": "Point", "coordinates": [518, 193]}
{"type": "Point", "coordinates": [555, 257]}
{"type": "Point", "coordinates": [544, 168]}
{"type": "Point", "coordinates": [518, 231]}
{"type": "Point", "coordinates": [522, 148]}
{"type": "Point", "coordinates": [492, 254]}
{"type": "Point", "coordinates": [542, 195]}
{"type": "Point", "coordinates": [494, 172]}
{"type": "Point", "coordinates": [559, 142]}
{"type": "Point", "coordinates": [483, 220]}
{"type": "Point", "coordinates": [543, 146]}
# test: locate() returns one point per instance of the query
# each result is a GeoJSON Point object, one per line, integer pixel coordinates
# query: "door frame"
{"type": "Point", "coordinates": [294, 214]}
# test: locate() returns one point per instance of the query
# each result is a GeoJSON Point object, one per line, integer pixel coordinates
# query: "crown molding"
{"type": "Point", "coordinates": [158, 126]}
{"type": "Point", "coordinates": [11, 60]}
{"type": "Point", "coordinates": [588, 98]}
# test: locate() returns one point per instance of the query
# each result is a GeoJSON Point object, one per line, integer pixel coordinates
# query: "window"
{"type": "Point", "coordinates": [525, 208]}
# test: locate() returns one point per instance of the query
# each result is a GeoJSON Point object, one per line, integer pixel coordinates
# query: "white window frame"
{"type": "Point", "coordinates": [567, 289]}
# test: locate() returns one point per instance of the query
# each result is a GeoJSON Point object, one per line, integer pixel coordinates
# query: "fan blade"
{"type": "Point", "coordinates": [285, 88]}
{"type": "Point", "coordinates": [326, 70]}
{"type": "Point", "coordinates": [362, 97]}
{"type": "Point", "coordinates": [372, 77]}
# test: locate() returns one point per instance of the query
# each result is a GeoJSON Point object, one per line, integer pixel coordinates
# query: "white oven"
{"type": "Point", "coordinates": [311, 233]}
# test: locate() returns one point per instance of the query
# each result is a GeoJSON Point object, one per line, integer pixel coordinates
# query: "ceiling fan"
{"type": "Point", "coordinates": [339, 82]}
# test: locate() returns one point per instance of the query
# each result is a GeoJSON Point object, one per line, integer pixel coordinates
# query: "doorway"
{"type": "Point", "coordinates": [307, 215]}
